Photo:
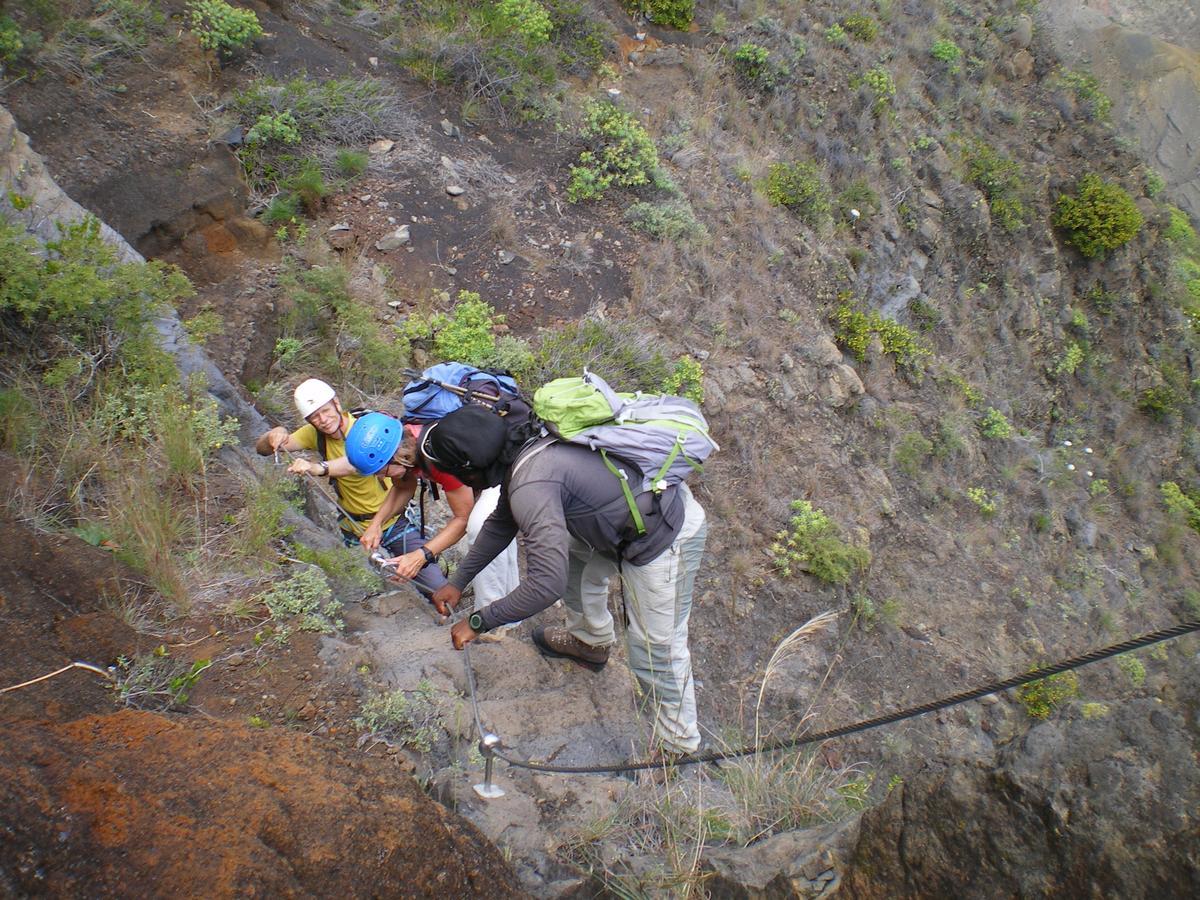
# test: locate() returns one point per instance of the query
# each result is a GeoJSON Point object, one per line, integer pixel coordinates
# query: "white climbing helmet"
{"type": "Point", "coordinates": [312, 395]}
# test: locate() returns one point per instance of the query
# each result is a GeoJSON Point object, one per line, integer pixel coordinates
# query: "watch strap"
{"type": "Point", "coordinates": [475, 620]}
{"type": "Point", "coordinates": [430, 557]}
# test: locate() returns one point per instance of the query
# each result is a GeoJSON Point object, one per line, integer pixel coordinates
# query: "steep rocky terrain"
{"type": "Point", "coordinates": [991, 550]}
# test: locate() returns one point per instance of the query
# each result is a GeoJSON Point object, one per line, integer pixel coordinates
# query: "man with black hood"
{"type": "Point", "coordinates": [579, 532]}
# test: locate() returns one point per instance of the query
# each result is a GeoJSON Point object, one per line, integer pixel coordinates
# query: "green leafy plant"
{"type": "Point", "coordinates": [466, 334]}
{"type": "Point", "coordinates": [1133, 668]}
{"type": "Point", "coordinates": [801, 187]}
{"type": "Point", "coordinates": [11, 41]}
{"type": "Point", "coordinates": [672, 13]}
{"type": "Point", "coordinates": [1183, 504]}
{"type": "Point", "coordinates": [946, 51]}
{"type": "Point", "coordinates": [754, 68]}
{"type": "Point", "coordinates": [620, 152]}
{"type": "Point", "coordinates": [1071, 359]}
{"type": "Point", "coordinates": [861, 27]}
{"type": "Point", "coordinates": [1041, 698]}
{"type": "Point", "coordinates": [880, 83]}
{"type": "Point", "coordinates": [686, 379]}
{"type": "Point", "coordinates": [853, 329]}
{"type": "Point", "coordinates": [351, 163]}
{"type": "Point", "coordinates": [221, 27]}
{"type": "Point", "coordinates": [280, 126]}
{"type": "Point", "coordinates": [672, 220]}
{"type": "Point", "coordinates": [528, 18]}
{"type": "Point", "coordinates": [303, 602]}
{"type": "Point", "coordinates": [407, 718]}
{"type": "Point", "coordinates": [1087, 91]}
{"type": "Point", "coordinates": [156, 681]}
{"type": "Point", "coordinates": [1100, 216]}
{"type": "Point", "coordinates": [813, 543]}
{"type": "Point", "coordinates": [836, 35]}
{"type": "Point", "coordinates": [1001, 181]}
{"type": "Point", "coordinates": [983, 500]}
{"type": "Point", "coordinates": [994, 425]}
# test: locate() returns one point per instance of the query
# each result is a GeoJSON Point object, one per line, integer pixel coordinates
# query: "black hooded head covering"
{"type": "Point", "coordinates": [473, 444]}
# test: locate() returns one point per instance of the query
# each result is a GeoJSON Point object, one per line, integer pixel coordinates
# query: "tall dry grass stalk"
{"type": "Point", "coordinates": [785, 649]}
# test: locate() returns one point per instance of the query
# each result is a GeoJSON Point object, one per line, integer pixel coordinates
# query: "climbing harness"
{"type": "Point", "coordinates": [1075, 662]}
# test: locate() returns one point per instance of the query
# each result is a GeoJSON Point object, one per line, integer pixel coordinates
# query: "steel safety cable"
{"type": "Point", "coordinates": [1074, 662]}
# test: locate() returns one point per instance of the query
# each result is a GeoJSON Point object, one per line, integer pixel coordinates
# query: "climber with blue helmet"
{"type": "Point", "coordinates": [383, 446]}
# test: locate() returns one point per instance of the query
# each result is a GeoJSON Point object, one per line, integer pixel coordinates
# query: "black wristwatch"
{"type": "Point", "coordinates": [324, 469]}
{"type": "Point", "coordinates": [430, 557]}
{"type": "Point", "coordinates": [475, 620]}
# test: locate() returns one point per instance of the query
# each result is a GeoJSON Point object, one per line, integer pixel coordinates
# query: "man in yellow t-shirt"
{"type": "Point", "coordinates": [359, 495]}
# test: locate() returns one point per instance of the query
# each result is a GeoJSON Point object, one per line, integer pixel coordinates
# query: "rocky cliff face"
{"type": "Point", "coordinates": [1049, 816]}
{"type": "Point", "coordinates": [1147, 57]}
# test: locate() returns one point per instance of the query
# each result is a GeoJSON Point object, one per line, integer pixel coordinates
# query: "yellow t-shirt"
{"type": "Point", "coordinates": [359, 494]}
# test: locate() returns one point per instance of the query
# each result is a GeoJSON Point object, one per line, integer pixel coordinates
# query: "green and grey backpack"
{"type": "Point", "coordinates": [665, 438]}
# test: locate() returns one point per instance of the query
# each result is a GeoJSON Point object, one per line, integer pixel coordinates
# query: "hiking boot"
{"type": "Point", "coordinates": [555, 640]}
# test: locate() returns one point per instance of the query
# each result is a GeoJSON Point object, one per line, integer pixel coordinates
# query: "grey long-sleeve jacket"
{"type": "Point", "coordinates": [553, 493]}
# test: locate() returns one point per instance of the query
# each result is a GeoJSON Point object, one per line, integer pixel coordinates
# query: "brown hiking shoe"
{"type": "Point", "coordinates": [555, 640]}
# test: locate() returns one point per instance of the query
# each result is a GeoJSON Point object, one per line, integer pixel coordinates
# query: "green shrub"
{"type": "Point", "coordinates": [994, 425]}
{"type": "Point", "coordinates": [986, 503]}
{"type": "Point", "coordinates": [672, 13]}
{"type": "Point", "coordinates": [282, 210]}
{"type": "Point", "coordinates": [11, 42]}
{"type": "Point", "coordinates": [1099, 217]}
{"type": "Point", "coordinates": [853, 329]}
{"type": "Point", "coordinates": [836, 35]}
{"type": "Point", "coordinates": [800, 186]}
{"type": "Point", "coordinates": [864, 28]}
{"type": "Point", "coordinates": [1088, 92]}
{"type": "Point", "coordinates": [280, 126]}
{"type": "Point", "coordinates": [304, 602]}
{"type": "Point", "coordinates": [527, 18]}
{"type": "Point", "coordinates": [1041, 698]}
{"type": "Point", "coordinates": [1000, 178]}
{"type": "Point", "coordinates": [880, 83]}
{"type": "Point", "coordinates": [1179, 230]}
{"type": "Point", "coordinates": [156, 681]}
{"type": "Point", "coordinates": [1161, 401]}
{"type": "Point", "coordinates": [755, 69]}
{"type": "Point", "coordinates": [407, 718]}
{"type": "Point", "coordinates": [948, 52]}
{"type": "Point", "coordinates": [221, 27]}
{"type": "Point", "coordinates": [911, 452]}
{"type": "Point", "coordinates": [1134, 668]}
{"type": "Point", "coordinates": [1183, 504]}
{"type": "Point", "coordinates": [812, 543]}
{"type": "Point", "coordinates": [620, 152]}
{"type": "Point", "coordinates": [669, 221]}
{"type": "Point", "coordinates": [686, 380]}
{"type": "Point", "coordinates": [858, 195]}
{"type": "Point", "coordinates": [308, 184]}
{"type": "Point", "coordinates": [351, 163]}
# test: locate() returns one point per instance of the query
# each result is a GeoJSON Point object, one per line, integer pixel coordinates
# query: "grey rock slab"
{"type": "Point", "coordinates": [395, 240]}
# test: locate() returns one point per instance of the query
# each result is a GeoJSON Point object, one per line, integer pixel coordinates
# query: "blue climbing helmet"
{"type": "Point", "coordinates": [372, 441]}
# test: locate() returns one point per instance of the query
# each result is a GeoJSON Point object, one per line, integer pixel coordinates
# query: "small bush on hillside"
{"type": "Point", "coordinates": [407, 718]}
{"type": "Point", "coordinates": [1179, 230]}
{"type": "Point", "coordinates": [1041, 698]}
{"type": "Point", "coordinates": [863, 28]}
{"type": "Point", "coordinates": [280, 126]}
{"type": "Point", "coordinates": [157, 681]}
{"type": "Point", "coordinates": [836, 35]}
{"type": "Point", "coordinates": [812, 543]}
{"type": "Point", "coordinates": [755, 69]}
{"type": "Point", "coordinates": [528, 18]}
{"type": "Point", "coordinates": [948, 52]}
{"type": "Point", "coordinates": [625, 355]}
{"type": "Point", "coordinates": [11, 43]}
{"type": "Point", "coordinates": [1088, 92]}
{"type": "Point", "coordinates": [854, 329]}
{"type": "Point", "coordinates": [801, 187]}
{"type": "Point", "coordinates": [880, 83]}
{"type": "Point", "coordinates": [1181, 503]}
{"type": "Point", "coordinates": [669, 221]}
{"type": "Point", "coordinates": [1000, 178]}
{"type": "Point", "coordinates": [468, 333]}
{"type": "Point", "coordinates": [620, 152]}
{"type": "Point", "coordinates": [304, 602]}
{"type": "Point", "coordinates": [994, 425]}
{"type": "Point", "coordinates": [221, 27]}
{"type": "Point", "coordinates": [686, 380]}
{"type": "Point", "coordinates": [351, 163]}
{"type": "Point", "coordinates": [672, 13]}
{"type": "Point", "coordinates": [1100, 216]}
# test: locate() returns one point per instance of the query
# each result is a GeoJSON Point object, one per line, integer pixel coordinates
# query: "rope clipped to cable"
{"type": "Point", "coordinates": [1075, 662]}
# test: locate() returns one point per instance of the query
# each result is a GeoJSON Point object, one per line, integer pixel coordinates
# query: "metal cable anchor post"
{"type": "Point", "coordinates": [487, 790]}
